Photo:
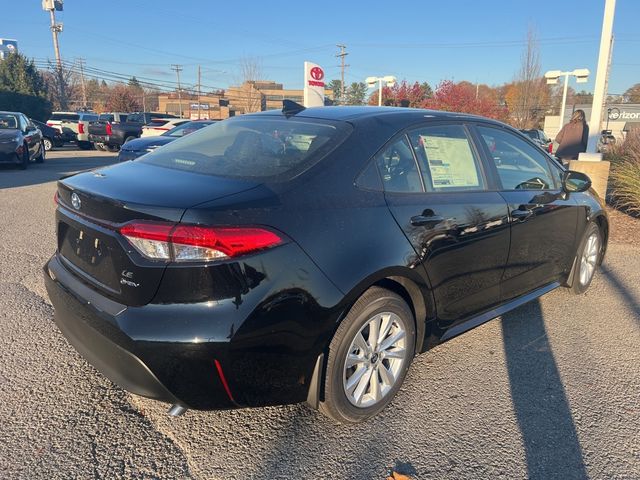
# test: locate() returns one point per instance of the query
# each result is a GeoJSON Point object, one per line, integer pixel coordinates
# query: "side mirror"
{"type": "Point", "coordinates": [573, 181]}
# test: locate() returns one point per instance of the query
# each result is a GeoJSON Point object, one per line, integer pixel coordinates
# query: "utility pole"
{"type": "Point", "coordinates": [51, 6]}
{"type": "Point", "coordinates": [601, 74]}
{"type": "Point", "coordinates": [84, 88]}
{"type": "Point", "coordinates": [178, 69]}
{"type": "Point", "coordinates": [199, 92]}
{"type": "Point", "coordinates": [341, 55]}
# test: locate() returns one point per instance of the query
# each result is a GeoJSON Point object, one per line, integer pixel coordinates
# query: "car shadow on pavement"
{"type": "Point", "coordinates": [627, 296]}
{"type": "Point", "coordinates": [52, 169]}
{"type": "Point", "coordinates": [541, 407]}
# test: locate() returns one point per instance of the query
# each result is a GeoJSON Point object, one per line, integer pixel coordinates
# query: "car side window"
{"type": "Point", "coordinates": [520, 166]}
{"type": "Point", "coordinates": [556, 173]}
{"type": "Point", "coordinates": [447, 160]}
{"type": "Point", "coordinates": [398, 168]}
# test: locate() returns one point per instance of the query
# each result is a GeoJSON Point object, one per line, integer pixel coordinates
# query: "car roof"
{"type": "Point", "coordinates": [355, 113]}
{"type": "Point", "coordinates": [12, 113]}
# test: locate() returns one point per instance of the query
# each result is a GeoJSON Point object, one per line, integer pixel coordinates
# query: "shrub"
{"type": "Point", "coordinates": [625, 173]}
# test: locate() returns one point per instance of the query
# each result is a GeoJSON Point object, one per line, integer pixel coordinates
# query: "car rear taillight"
{"type": "Point", "coordinates": [108, 129]}
{"type": "Point", "coordinates": [80, 127]}
{"type": "Point", "coordinates": [50, 124]}
{"type": "Point", "coordinates": [551, 147]}
{"type": "Point", "coordinates": [189, 243]}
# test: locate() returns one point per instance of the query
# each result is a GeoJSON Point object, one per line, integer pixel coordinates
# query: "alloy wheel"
{"type": "Point", "coordinates": [589, 258]}
{"type": "Point", "coordinates": [375, 359]}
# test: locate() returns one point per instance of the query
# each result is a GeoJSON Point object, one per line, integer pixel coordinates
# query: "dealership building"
{"type": "Point", "coordinates": [245, 98]}
{"type": "Point", "coordinates": [622, 118]}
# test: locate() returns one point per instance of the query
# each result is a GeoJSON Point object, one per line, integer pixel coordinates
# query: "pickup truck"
{"type": "Point", "coordinates": [113, 135]}
{"type": "Point", "coordinates": [73, 126]}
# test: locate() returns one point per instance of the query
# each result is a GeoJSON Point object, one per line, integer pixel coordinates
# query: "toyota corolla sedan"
{"type": "Point", "coordinates": [20, 140]}
{"type": "Point", "coordinates": [310, 254]}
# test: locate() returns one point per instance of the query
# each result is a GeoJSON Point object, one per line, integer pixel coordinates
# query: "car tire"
{"type": "Point", "coordinates": [41, 156]}
{"type": "Point", "coordinates": [25, 158]}
{"type": "Point", "coordinates": [128, 139]}
{"type": "Point", "coordinates": [112, 148]}
{"type": "Point", "coordinates": [587, 259]}
{"type": "Point", "coordinates": [48, 144]}
{"type": "Point", "coordinates": [362, 376]}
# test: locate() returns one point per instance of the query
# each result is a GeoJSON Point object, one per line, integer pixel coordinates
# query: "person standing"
{"type": "Point", "coordinates": [573, 137]}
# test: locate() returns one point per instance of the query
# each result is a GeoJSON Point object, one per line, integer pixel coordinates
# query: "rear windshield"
{"type": "Point", "coordinates": [69, 117]}
{"type": "Point", "coordinates": [272, 149]}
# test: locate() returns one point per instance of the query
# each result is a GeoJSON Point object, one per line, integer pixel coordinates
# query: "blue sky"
{"type": "Point", "coordinates": [478, 41]}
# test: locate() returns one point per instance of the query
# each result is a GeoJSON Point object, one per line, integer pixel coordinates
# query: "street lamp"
{"type": "Point", "coordinates": [389, 81]}
{"type": "Point", "coordinates": [552, 76]}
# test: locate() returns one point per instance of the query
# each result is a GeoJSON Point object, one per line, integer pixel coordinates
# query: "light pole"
{"type": "Point", "coordinates": [601, 75]}
{"type": "Point", "coordinates": [552, 76]}
{"type": "Point", "coordinates": [389, 81]}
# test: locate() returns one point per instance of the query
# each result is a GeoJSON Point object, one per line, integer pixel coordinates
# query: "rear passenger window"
{"type": "Point", "coordinates": [398, 168]}
{"type": "Point", "coordinates": [446, 158]}
{"type": "Point", "coordinates": [520, 166]}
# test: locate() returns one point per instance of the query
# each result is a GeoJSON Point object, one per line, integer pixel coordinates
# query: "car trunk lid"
{"type": "Point", "coordinates": [94, 205]}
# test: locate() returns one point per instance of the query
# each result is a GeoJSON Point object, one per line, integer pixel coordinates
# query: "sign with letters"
{"type": "Point", "coordinates": [313, 85]}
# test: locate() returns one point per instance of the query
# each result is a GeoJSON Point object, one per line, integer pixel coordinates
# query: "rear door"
{"type": "Point", "coordinates": [543, 219]}
{"type": "Point", "coordinates": [437, 190]}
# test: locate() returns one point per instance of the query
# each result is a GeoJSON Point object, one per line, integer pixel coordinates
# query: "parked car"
{"type": "Point", "coordinates": [309, 254]}
{"type": "Point", "coordinates": [113, 135]}
{"type": "Point", "coordinates": [158, 126]}
{"type": "Point", "coordinates": [138, 147]}
{"type": "Point", "coordinates": [20, 140]}
{"type": "Point", "coordinates": [74, 126]}
{"type": "Point", "coordinates": [51, 137]}
{"type": "Point", "coordinates": [539, 138]}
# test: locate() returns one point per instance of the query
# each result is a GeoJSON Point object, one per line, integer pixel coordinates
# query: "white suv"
{"type": "Point", "coordinates": [74, 126]}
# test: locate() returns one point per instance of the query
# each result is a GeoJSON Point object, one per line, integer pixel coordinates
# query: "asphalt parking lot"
{"type": "Point", "coordinates": [550, 390]}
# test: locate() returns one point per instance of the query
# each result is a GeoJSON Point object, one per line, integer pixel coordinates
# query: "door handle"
{"type": "Point", "coordinates": [426, 220]}
{"type": "Point", "coordinates": [521, 214]}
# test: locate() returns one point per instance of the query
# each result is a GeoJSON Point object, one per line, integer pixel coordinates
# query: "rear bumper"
{"type": "Point", "coordinates": [254, 343]}
{"type": "Point", "coordinates": [90, 322]}
{"type": "Point", "coordinates": [99, 138]}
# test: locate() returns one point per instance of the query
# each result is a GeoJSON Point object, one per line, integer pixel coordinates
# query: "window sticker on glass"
{"type": "Point", "coordinates": [450, 161]}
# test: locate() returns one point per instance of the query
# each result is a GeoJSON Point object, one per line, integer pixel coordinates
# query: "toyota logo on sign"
{"type": "Point", "coordinates": [316, 73]}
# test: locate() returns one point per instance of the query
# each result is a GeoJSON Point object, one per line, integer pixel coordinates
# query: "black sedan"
{"type": "Point", "coordinates": [309, 254]}
{"type": "Point", "coordinates": [20, 140]}
{"type": "Point", "coordinates": [51, 137]}
{"type": "Point", "coordinates": [138, 147]}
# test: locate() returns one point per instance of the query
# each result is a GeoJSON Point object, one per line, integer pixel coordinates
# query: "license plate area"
{"type": "Point", "coordinates": [89, 253]}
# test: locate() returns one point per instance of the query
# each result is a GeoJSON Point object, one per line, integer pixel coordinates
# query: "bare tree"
{"type": "Point", "coordinates": [250, 73]}
{"type": "Point", "coordinates": [529, 96]}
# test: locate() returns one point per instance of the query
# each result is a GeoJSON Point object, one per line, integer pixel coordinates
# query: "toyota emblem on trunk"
{"type": "Point", "coordinates": [75, 201]}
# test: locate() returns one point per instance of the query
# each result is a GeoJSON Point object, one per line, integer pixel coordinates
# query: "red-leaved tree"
{"type": "Point", "coordinates": [403, 94]}
{"type": "Point", "coordinates": [461, 97]}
